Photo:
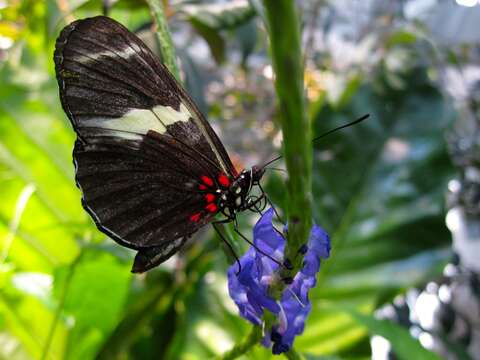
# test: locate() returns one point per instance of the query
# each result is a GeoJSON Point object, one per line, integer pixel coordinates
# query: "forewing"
{"type": "Point", "coordinates": [142, 145]}
{"type": "Point", "coordinates": [111, 83]}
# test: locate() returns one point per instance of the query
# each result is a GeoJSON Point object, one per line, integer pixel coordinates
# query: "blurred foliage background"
{"type": "Point", "coordinates": [66, 291]}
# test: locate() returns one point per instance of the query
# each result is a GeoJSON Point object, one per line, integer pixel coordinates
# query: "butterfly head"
{"type": "Point", "coordinates": [257, 173]}
{"type": "Point", "coordinates": [249, 178]}
{"type": "Point", "coordinates": [237, 197]}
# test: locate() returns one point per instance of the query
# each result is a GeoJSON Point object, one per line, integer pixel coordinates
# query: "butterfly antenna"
{"type": "Point", "coordinates": [277, 169]}
{"type": "Point", "coordinates": [364, 117]}
{"type": "Point", "coordinates": [264, 166]}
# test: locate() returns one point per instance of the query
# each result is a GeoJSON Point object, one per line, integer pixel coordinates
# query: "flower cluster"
{"type": "Point", "coordinates": [249, 289]}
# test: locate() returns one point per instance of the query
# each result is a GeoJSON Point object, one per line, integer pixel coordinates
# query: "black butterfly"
{"type": "Point", "coordinates": [151, 169]}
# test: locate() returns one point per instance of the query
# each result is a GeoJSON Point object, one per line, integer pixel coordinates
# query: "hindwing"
{"type": "Point", "coordinates": [143, 147]}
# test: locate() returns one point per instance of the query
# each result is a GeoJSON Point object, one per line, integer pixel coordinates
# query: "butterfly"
{"type": "Point", "coordinates": [150, 167]}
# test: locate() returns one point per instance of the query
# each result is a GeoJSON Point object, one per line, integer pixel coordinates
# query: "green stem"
{"type": "Point", "coordinates": [61, 303]}
{"type": "Point", "coordinates": [287, 60]}
{"type": "Point", "coordinates": [285, 45]}
{"type": "Point", "coordinates": [164, 38]}
{"type": "Point", "coordinates": [293, 355]}
{"type": "Point", "coordinates": [241, 348]}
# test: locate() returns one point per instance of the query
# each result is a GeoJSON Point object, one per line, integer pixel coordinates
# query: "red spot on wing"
{"type": "Point", "coordinates": [209, 198]}
{"type": "Point", "coordinates": [207, 180]}
{"type": "Point", "coordinates": [195, 217]}
{"type": "Point", "coordinates": [202, 187]}
{"type": "Point", "coordinates": [211, 207]}
{"type": "Point", "coordinates": [224, 180]}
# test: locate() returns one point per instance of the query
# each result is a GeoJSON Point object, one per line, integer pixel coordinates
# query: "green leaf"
{"type": "Point", "coordinates": [147, 303]}
{"type": "Point", "coordinates": [96, 293]}
{"type": "Point", "coordinates": [246, 35]}
{"type": "Point", "coordinates": [11, 348]}
{"type": "Point", "coordinates": [34, 152]}
{"type": "Point", "coordinates": [380, 185]}
{"type": "Point", "coordinates": [215, 41]}
{"type": "Point", "coordinates": [379, 192]}
{"type": "Point", "coordinates": [329, 330]}
{"type": "Point", "coordinates": [209, 20]}
{"type": "Point", "coordinates": [401, 38]}
{"type": "Point", "coordinates": [219, 16]}
{"type": "Point", "coordinates": [25, 306]}
{"type": "Point", "coordinates": [414, 270]}
{"type": "Point", "coordinates": [350, 90]}
{"type": "Point", "coordinates": [207, 324]}
{"type": "Point", "coordinates": [403, 344]}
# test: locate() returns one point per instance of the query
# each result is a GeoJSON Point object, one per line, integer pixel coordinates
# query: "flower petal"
{"type": "Point", "coordinates": [249, 289]}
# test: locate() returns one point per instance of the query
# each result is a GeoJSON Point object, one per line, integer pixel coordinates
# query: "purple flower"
{"type": "Point", "coordinates": [249, 289]}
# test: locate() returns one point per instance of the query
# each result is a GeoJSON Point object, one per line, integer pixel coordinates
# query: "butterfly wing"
{"type": "Point", "coordinates": [145, 157]}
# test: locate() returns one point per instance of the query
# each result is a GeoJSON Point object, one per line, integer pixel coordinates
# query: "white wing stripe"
{"type": "Point", "coordinates": [141, 121]}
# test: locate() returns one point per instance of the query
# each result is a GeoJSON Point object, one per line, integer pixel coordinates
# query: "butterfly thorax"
{"type": "Point", "coordinates": [237, 197]}
{"type": "Point", "coordinates": [228, 195]}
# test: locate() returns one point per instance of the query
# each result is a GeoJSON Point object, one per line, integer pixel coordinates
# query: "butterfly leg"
{"type": "Point", "coordinates": [260, 204]}
{"type": "Point", "coordinates": [235, 228]}
{"type": "Point", "coordinates": [271, 204]}
{"type": "Point", "coordinates": [286, 263]}
{"type": "Point", "coordinates": [217, 230]}
{"type": "Point", "coordinates": [254, 201]}
{"type": "Point", "coordinates": [265, 197]}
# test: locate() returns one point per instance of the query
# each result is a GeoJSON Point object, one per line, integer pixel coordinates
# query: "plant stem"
{"type": "Point", "coordinates": [61, 303]}
{"type": "Point", "coordinates": [293, 355]}
{"type": "Point", "coordinates": [164, 37]}
{"type": "Point", "coordinates": [283, 28]}
{"type": "Point", "coordinates": [241, 348]}
{"type": "Point", "coordinates": [285, 45]}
